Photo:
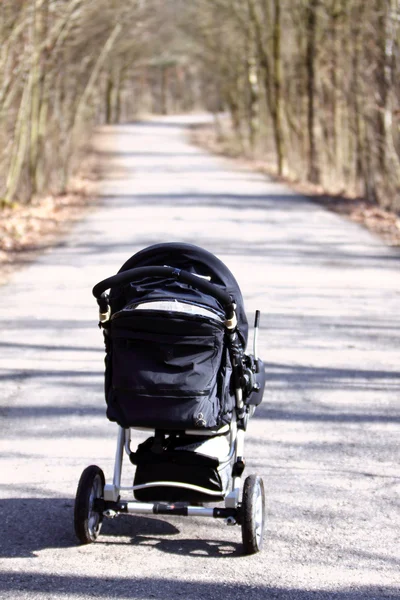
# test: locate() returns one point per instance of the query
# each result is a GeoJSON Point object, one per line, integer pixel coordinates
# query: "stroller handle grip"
{"type": "Point", "coordinates": [193, 280]}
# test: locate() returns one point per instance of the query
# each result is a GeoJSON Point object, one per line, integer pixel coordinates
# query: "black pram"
{"type": "Point", "coordinates": [175, 334]}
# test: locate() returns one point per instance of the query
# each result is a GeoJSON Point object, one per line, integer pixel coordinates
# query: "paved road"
{"type": "Point", "coordinates": [326, 439]}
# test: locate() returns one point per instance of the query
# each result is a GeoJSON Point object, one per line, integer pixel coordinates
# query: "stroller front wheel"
{"type": "Point", "coordinates": [87, 519]}
{"type": "Point", "coordinates": [253, 514]}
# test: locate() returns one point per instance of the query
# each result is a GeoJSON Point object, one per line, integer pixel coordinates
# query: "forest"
{"type": "Point", "coordinates": [312, 85]}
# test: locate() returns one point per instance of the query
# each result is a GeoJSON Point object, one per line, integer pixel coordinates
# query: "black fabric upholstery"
{"type": "Point", "coordinates": [167, 371]}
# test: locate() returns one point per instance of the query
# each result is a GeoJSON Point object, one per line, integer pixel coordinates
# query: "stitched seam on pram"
{"type": "Point", "coordinates": [149, 336]}
{"type": "Point", "coordinates": [168, 392]}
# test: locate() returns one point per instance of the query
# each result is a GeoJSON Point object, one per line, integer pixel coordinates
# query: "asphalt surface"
{"type": "Point", "coordinates": [325, 439]}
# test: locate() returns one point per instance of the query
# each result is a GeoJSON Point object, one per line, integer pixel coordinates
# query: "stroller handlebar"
{"type": "Point", "coordinates": [184, 276]}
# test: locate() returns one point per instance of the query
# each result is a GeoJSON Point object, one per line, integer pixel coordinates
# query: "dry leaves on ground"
{"type": "Point", "coordinates": [25, 230]}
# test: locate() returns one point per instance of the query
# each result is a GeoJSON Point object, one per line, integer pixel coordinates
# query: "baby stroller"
{"type": "Point", "coordinates": [175, 336]}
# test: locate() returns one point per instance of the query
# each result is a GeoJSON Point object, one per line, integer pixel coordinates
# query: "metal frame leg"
{"type": "Point", "coordinates": [232, 499]}
{"type": "Point", "coordinates": [112, 490]}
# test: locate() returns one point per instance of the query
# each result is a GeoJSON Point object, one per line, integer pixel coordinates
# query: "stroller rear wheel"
{"type": "Point", "coordinates": [253, 514]}
{"type": "Point", "coordinates": [87, 519]}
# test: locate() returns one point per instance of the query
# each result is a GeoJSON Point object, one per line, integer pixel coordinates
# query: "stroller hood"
{"type": "Point", "coordinates": [195, 260]}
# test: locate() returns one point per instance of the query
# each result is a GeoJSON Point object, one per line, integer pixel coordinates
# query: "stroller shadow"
{"type": "Point", "coordinates": [190, 547]}
{"type": "Point", "coordinates": [34, 524]}
{"type": "Point", "coordinates": [145, 531]}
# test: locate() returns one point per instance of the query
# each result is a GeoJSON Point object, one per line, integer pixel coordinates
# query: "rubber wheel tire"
{"type": "Point", "coordinates": [253, 514]}
{"type": "Point", "coordinates": [88, 521]}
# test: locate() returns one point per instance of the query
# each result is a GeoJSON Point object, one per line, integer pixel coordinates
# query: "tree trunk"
{"type": "Point", "coordinates": [21, 136]}
{"type": "Point", "coordinates": [355, 37]}
{"type": "Point", "coordinates": [381, 83]}
{"type": "Point", "coordinates": [277, 103]}
{"type": "Point", "coordinates": [118, 96]}
{"type": "Point", "coordinates": [39, 34]}
{"type": "Point", "coordinates": [164, 90]}
{"type": "Point", "coordinates": [313, 174]}
{"type": "Point", "coordinates": [109, 99]}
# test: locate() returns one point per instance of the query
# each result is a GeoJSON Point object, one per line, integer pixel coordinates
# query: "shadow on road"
{"type": "Point", "coordinates": [187, 547]}
{"type": "Point", "coordinates": [35, 524]}
{"type": "Point", "coordinates": [151, 532]}
{"type": "Point", "coordinates": [327, 378]}
{"type": "Point", "coordinates": [321, 245]}
{"type": "Point", "coordinates": [171, 589]}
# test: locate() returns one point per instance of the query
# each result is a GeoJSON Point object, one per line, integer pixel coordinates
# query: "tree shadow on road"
{"type": "Point", "coordinates": [170, 589]}
{"type": "Point", "coordinates": [33, 524]}
{"type": "Point", "coordinates": [324, 377]}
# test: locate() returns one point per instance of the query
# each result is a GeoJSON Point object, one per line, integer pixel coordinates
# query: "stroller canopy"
{"type": "Point", "coordinates": [194, 260]}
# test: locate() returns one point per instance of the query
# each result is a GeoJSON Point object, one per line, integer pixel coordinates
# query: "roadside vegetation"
{"type": "Point", "coordinates": [311, 87]}
{"type": "Point", "coordinates": [67, 66]}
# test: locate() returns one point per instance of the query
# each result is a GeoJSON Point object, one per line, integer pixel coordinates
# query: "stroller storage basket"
{"type": "Point", "coordinates": [181, 462]}
{"type": "Point", "coordinates": [167, 371]}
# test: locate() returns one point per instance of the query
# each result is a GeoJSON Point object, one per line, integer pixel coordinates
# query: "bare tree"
{"type": "Point", "coordinates": [316, 82]}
